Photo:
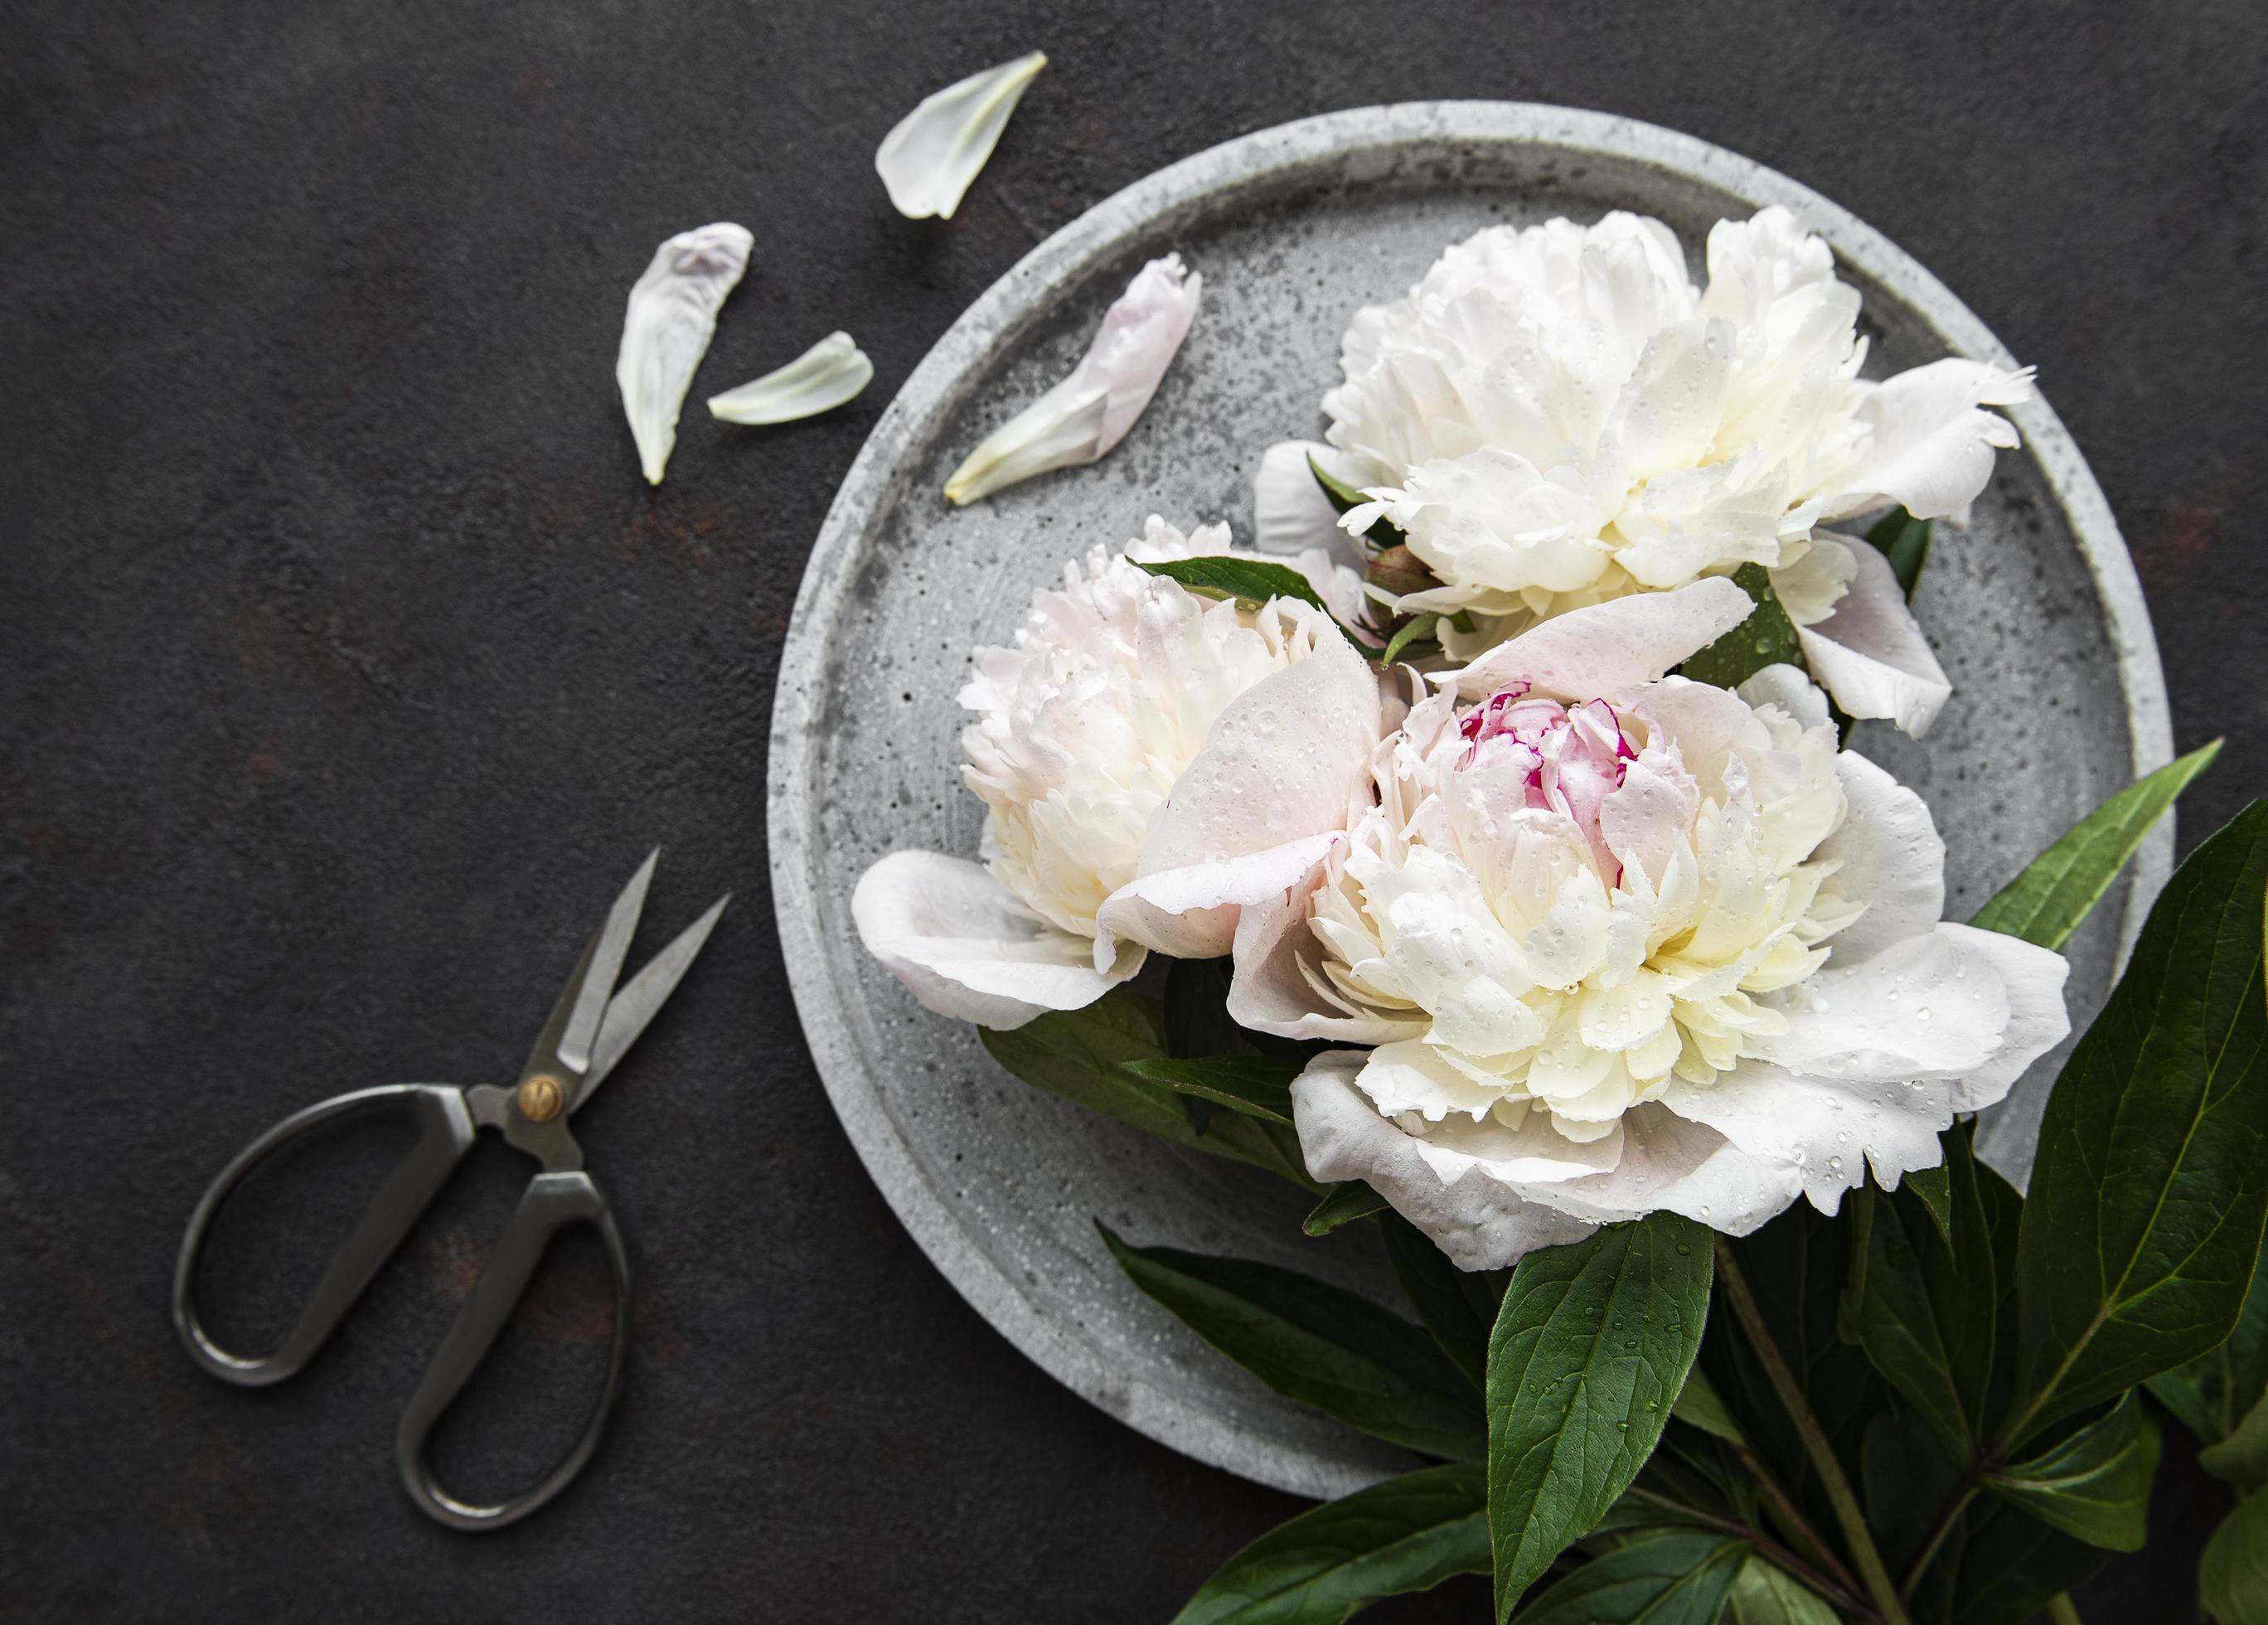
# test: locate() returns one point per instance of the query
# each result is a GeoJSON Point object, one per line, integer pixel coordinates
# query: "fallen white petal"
{"type": "Point", "coordinates": [1479, 1222]}
{"type": "Point", "coordinates": [822, 377]}
{"type": "Point", "coordinates": [673, 311]}
{"type": "Point", "coordinates": [1603, 647]}
{"type": "Point", "coordinates": [1934, 444]}
{"type": "Point", "coordinates": [1870, 653]}
{"type": "Point", "coordinates": [1082, 417]}
{"type": "Point", "coordinates": [1290, 512]}
{"type": "Point", "coordinates": [965, 947]}
{"type": "Point", "coordinates": [930, 156]}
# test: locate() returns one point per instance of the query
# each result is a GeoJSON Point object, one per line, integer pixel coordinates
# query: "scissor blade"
{"type": "Point", "coordinates": [605, 964]}
{"type": "Point", "coordinates": [633, 1008]}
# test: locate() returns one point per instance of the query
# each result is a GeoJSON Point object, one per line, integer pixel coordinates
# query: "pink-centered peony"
{"type": "Point", "coordinates": [1619, 943]}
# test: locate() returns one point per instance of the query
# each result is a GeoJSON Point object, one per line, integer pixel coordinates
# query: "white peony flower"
{"type": "Point", "coordinates": [1624, 943]}
{"type": "Point", "coordinates": [1122, 696]}
{"type": "Point", "coordinates": [1082, 417]}
{"type": "Point", "coordinates": [1556, 417]}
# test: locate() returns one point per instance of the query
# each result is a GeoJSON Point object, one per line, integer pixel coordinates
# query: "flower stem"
{"type": "Point", "coordinates": [1842, 1592]}
{"type": "Point", "coordinates": [1839, 1495]}
{"type": "Point", "coordinates": [2062, 1611]}
{"type": "Point", "coordinates": [1793, 1518]}
{"type": "Point", "coordinates": [1938, 1531]}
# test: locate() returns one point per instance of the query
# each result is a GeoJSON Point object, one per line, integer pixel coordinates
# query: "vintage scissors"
{"type": "Point", "coordinates": [589, 1028]}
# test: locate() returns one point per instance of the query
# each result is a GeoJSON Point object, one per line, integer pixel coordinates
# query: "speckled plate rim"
{"type": "Point", "coordinates": [1064, 261]}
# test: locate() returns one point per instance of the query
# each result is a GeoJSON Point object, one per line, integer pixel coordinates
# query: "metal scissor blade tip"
{"type": "Point", "coordinates": [606, 967]}
{"type": "Point", "coordinates": [642, 998]}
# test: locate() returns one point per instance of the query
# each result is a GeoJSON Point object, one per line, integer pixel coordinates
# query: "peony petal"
{"type": "Point", "coordinates": [930, 156]}
{"type": "Point", "coordinates": [1933, 1006]}
{"type": "Point", "coordinates": [1870, 653]}
{"type": "Point", "coordinates": [1290, 512]}
{"type": "Point", "coordinates": [1479, 1222]}
{"type": "Point", "coordinates": [2033, 979]}
{"type": "Point", "coordinates": [1826, 1131]}
{"type": "Point", "coordinates": [1599, 649]}
{"type": "Point", "coordinates": [673, 311]}
{"type": "Point", "coordinates": [1788, 687]}
{"type": "Point", "coordinates": [965, 947]}
{"type": "Point", "coordinates": [1082, 417]}
{"type": "Point", "coordinates": [1277, 961]}
{"type": "Point", "coordinates": [822, 377]}
{"type": "Point", "coordinates": [1191, 912]}
{"type": "Point", "coordinates": [1673, 1163]}
{"type": "Point", "coordinates": [1932, 445]}
{"type": "Point", "coordinates": [1889, 856]}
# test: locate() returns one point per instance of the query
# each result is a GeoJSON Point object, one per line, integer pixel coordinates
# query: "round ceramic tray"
{"type": "Point", "coordinates": [2035, 612]}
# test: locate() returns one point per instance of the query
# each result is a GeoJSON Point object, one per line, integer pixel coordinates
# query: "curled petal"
{"type": "Point", "coordinates": [822, 377]}
{"type": "Point", "coordinates": [1278, 972]}
{"type": "Point", "coordinates": [1933, 444]}
{"type": "Point", "coordinates": [1082, 417]}
{"type": "Point", "coordinates": [1480, 1222]}
{"type": "Point", "coordinates": [1290, 512]}
{"type": "Point", "coordinates": [1870, 653]}
{"type": "Point", "coordinates": [2032, 979]}
{"type": "Point", "coordinates": [1788, 687]}
{"type": "Point", "coordinates": [1823, 1131]}
{"type": "Point", "coordinates": [1276, 779]}
{"type": "Point", "coordinates": [673, 311]}
{"type": "Point", "coordinates": [930, 156]}
{"type": "Point", "coordinates": [1888, 856]}
{"type": "Point", "coordinates": [1603, 647]}
{"type": "Point", "coordinates": [965, 947]}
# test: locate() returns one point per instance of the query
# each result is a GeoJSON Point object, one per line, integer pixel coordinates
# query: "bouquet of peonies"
{"type": "Point", "coordinates": [1522, 897]}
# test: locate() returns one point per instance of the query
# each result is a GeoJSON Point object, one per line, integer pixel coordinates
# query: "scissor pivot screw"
{"type": "Point", "coordinates": [541, 1098]}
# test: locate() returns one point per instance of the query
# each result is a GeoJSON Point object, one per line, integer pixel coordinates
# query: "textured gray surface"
{"type": "Point", "coordinates": [346, 664]}
{"type": "Point", "coordinates": [1292, 229]}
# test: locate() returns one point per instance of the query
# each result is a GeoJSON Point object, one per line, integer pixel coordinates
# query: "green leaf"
{"type": "Point", "coordinates": [1342, 495]}
{"type": "Point", "coordinates": [2095, 1484]}
{"type": "Point", "coordinates": [1343, 1204]}
{"type": "Point", "coordinates": [2009, 1566]}
{"type": "Point", "coordinates": [1908, 1478]}
{"type": "Point", "coordinates": [1588, 1354]}
{"type": "Point", "coordinates": [1699, 1405]}
{"type": "Point", "coordinates": [1316, 1343]}
{"type": "Point", "coordinates": [1925, 1309]}
{"type": "Point", "coordinates": [1762, 1594]}
{"type": "Point", "coordinates": [2232, 1575]}
{"type": "Point", "coordinates": [1251, 582]}
{"type": "Point", "coordinates": [1407, 1535]}
{"type": "Point", "coordinates": [2046, 903]}
{"type": "Point", "coordinates": [1677, 1577]}
{"type": "Point", "coordinates": [1767, 638]}
{"type": "Point", "coordinates": [1904, 541]}
{"type": "Point", "coordinates": [2242, 1458]}
{"type": "Point", "coordinates": [2148, 1197]}
{"type": "Point", "coordinates": [1934, 1187]}
{"type": "Point", "coordinates": [2212, 1391]}
{"type": "Point", "coordinates": [1456, 1305]}
{"type": "Point", "coordinates": [1083, 1056]}
{"type": "Point", "coordinates": [1416, 628]}
{"type": "Point", "coordinates": [1256, 1085]}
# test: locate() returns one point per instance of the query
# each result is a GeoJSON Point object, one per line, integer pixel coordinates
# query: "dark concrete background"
{"type": "Point", "coordinates": [346, 667]}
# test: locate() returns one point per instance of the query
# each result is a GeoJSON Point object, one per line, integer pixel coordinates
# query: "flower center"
{"type": "Point", "coordinates": [1568, 762]}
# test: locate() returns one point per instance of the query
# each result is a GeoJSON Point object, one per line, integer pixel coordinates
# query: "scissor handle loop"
{"type": "Point", "coordinates": [444, 1133]}
{"type": "Point", "coordinates": [554, 1201]}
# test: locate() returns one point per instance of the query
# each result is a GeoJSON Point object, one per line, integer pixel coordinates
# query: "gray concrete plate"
{"type": "Point", "coordinates": [2034, 611]}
